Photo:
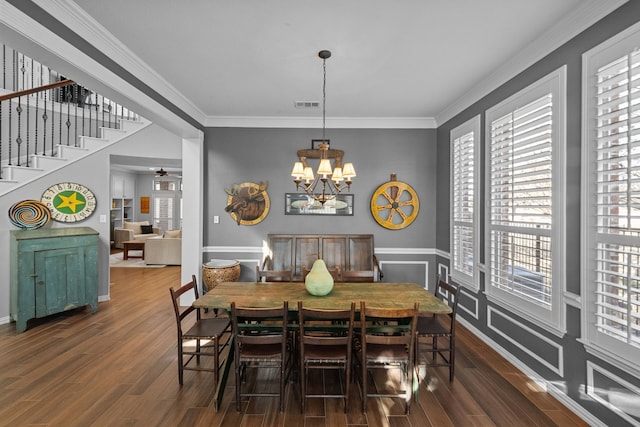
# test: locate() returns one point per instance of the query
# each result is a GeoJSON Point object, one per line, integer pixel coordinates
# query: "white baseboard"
{"type": "Point", "coordinates": [550, 387]}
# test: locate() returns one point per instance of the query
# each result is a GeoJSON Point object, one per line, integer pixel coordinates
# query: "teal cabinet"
{"type": "Point", "coordinates": [52, 270]}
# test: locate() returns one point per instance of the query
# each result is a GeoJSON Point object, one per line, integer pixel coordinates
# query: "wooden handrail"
{"type": "Point", "coordinates": [20, 93]}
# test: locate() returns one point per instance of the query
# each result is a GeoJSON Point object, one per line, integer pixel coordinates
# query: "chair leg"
{"type": "Point", "coordinates": [238, 383]}
{"type": "Point", "coordinates": [216, 360]}
{"type": "Point", "coordinates": [434, 354]}
{"type": "Point", "coordinates": [180, 361]}
{"type": "Point", "coordinates": [347, 384]}
{"type": "Point", "coordinates": [452, 358]}
{"type": "Point", "coordinates": [282, 384]}
{"type": "Point", "coordinates": [364, 385]}
{"type": "Point", "coordinates": [303, 379]}
{"type": "Point", "coordinates": [408, 383]}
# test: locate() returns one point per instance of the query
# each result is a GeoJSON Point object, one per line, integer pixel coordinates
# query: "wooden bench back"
{"type": "Point", "coordinates": [296, 251]}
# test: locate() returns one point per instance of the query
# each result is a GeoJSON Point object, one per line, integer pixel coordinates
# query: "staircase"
{"type": "Point", "coordinates": [14, 177]}
{"type": "Point", "coordinates": [48, 121]}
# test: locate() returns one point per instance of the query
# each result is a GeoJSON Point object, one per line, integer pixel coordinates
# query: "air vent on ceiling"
{"type": "Point", "coordinates": [306, 104]}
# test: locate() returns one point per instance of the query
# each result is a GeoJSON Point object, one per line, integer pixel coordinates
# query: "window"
{"type": "Point", "coordinates": [164, 185]}
{"type": "Point", "coordinates": [163, 212]}
{"type": "Point", "coordinates": [465, 142]}
{"type": "Point", "coordinates": [525, 189]}
{"type": "Point", "coordinates": [611, 207]}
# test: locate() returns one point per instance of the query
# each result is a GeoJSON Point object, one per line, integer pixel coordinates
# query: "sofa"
{"type": "Point", "coordinates": [134, 231]}
{"type": "Point", "coordinates": [165, 250]}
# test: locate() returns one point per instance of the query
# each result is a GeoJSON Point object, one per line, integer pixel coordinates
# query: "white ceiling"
{"type": "Point", "coordinates": [390, 59]}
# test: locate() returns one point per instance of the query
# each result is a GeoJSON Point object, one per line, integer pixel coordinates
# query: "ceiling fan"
{"type": "Point", "coordinates": [161, 172]}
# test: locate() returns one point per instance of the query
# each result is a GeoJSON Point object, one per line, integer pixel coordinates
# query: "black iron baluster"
{"type": "Point", "coordinates": [68, 122]}
{"type": "Point", "coordinates": [44, 125]}
{"type": "Point", "coordinates": [19, 138]}
{"type": "Point", "coordinates": [4, 85]}
{"type": "Point", "coordinates": [53, 119]}
{"type": "Point", "coordinates": [35, 139]}
{"type": "Point", "coordinates": [97, 116]}
{"type": "Point", "coordinates": [13, 79]}
{"type": "Point", "coordinates": [75, 119]}
{"type": "Point", "coordinates": [28, 112]}
{"type": "Point", "coordinates": [90, 111]}
{"type": "Point", "coordinates": [19, 110]}
{"type": "Point", "coordinates": [60, 100]}
{"type": "Point", "coordinates": [83, 95]}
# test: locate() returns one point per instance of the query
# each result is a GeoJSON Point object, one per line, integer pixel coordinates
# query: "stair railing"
{"type": "Point", "coordinates": [41, 109]}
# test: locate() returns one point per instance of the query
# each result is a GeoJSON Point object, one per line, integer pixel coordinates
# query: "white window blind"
{"type": "Point", "coordinates": [464, 214]}
{"type": "Point", "coordinates": [521, 201]}
{"type": "Point", "coordinates": [163, 212]}
{"type": "Point", "coordinates": [617, 207]}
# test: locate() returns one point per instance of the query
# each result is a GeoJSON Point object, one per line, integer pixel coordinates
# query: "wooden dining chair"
{"type": "Point", "coordinates": [335, 272]}
{"type": "Point", "coordinates": [273, 275]}
{"type": "Point", "coordinates": [357, 276]}
{"type": "Point", "coordinates": [216, 331]}
{"type": "Point", "coordinates": [325, 342]}
{"type": "Point", "coordinates": [432, 330]}
{"type": "Point", "coordinates": [261, 340]}
{"type": "Point", "coordinates": [387, 338]}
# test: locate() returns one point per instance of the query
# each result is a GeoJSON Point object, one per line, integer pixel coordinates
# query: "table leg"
{"type": "Point", "coordinates": [222, 383]}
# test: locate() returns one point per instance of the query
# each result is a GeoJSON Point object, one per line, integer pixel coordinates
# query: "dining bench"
{"type": "Point", "coordinates": [350, 253]}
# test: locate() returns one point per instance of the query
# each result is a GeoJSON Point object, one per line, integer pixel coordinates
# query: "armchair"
{"type": "Point", "coordinates": [132, 231]}
{"type": "Point", "coordinates": [167, 250]}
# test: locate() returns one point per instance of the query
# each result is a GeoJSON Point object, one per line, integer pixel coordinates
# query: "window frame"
{"type": "Point", "coordinates": [471, 126]}
{"type": "Point", "coordinates": [614, 351]}
{"type": "Point", "coordinates": [553, 319]}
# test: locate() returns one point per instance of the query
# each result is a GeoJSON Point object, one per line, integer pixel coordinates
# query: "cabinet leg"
{"type": "Point", "coordinates": [21, 326]}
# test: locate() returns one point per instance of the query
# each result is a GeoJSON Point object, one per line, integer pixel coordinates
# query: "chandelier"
{"type": "Point", "coordinates": [328, 181]}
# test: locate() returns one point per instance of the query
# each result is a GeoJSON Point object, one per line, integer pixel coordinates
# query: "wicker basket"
{"type": "Point", "coordinates": [219, 270]}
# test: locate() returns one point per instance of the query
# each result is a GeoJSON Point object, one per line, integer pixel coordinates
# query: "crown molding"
{"type": "Point", "coordinates": [83, 24]}
{"type": "Point", "coordinates": [587, 14]}
{"type": "Point", "coordinates": [314, 122]}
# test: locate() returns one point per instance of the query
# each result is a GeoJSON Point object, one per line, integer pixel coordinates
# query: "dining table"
{"type": "Point", "coordinates": [272, 294]}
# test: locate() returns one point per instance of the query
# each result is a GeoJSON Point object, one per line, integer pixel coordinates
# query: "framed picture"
{"type": "Point", "coordinates": [315, 143]}
{"type": "Point", "coordinates": [144, 204]}
{"type": "Point", "coordinates": [301, 204]}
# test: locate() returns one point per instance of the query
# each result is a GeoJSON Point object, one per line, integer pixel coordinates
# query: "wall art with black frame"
{"type": "Point", "coordinates": [301, 204]}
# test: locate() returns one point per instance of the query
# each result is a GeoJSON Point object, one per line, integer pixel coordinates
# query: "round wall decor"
{"type": "Point", "coordinates": [29, 214]}
{"type": "Point", "coordinates": [395, 204]}
{"type": "Point", "coordinates": [69, 201]}
{"type": "Point", "coordinates": [248, 202]}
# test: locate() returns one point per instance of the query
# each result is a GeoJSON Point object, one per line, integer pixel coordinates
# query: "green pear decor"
{"type": "Point", "coordinates": [319, 281]}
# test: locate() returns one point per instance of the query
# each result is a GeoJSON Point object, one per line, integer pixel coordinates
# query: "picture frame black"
{"type": "Point", "coordinates": [301, 204]}
{"type": "Point", "coordinates": [315, 143]}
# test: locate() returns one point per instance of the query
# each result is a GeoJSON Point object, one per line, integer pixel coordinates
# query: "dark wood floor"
{"type": "Point", "coordinates": [118, 368]}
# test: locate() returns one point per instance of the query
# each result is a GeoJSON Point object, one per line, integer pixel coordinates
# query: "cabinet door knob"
{"type": "Point", "coordinates": [40, 282]}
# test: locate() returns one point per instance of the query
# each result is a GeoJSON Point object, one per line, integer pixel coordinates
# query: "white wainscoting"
{"type": "Point", "coordinates": [559, 369]}
{"type": "Point", "coordinates": [625, 396]}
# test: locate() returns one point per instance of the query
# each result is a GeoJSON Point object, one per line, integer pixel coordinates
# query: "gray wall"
{"type": "Point", "coordinates": [236, 155]}
{"type": "Point", "coordinates": [241, 155]}
{"type": "Point", "coordinates": [575, 357]}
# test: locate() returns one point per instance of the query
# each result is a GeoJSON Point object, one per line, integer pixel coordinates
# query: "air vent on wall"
{"type": "Point", "coordinates": [306, 104]}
